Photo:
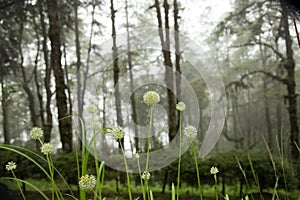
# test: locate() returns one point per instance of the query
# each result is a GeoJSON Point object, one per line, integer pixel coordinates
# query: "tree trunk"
{"type": "Point", "coordinates": [116, 69]}
{"type": "Point", "coordinates": [133, 103]}
{"type": "Point", "coordinates": [47, 126]}
{"type": "Point", "coordinates": [5, 108]}
{"type": "Point", "coordinates": [289, 65]}
{"type": "Point", "coordinates": [169, 77]}
{"type": "Point", "coordinates": [177, 51]}
{"type": "Point", "coordinates": [30, 96]}
{"type": "Point", "coordinates": [78, 74]}
{"type": "Point", "coordinates": [65, 123]}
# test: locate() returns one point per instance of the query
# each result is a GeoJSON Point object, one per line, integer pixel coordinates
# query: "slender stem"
{"type": "Point", "coordinates": [148, 149]}
{"type": "Point", "coordinates": [98, 189]}
{"type": "Point", "coordinates": [19, 186]}
{"type": "Point", "coordinates": [179, 156]}
{"type": "Point", "coordinates": [216, 184]}
{"type": "Point", "coordinates": [197, 170]}
{"type": "Point", "coordinates": [52, 176]}
{"type": "Point", "coordinates": [127, 174]}
{"type": "Point", "coordinates": [139, 167]}
{"type": "Point", "coordinates": [149, 134]}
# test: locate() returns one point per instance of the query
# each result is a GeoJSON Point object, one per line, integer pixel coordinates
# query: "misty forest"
{"type": "Point", "coordinates": [153, 99]}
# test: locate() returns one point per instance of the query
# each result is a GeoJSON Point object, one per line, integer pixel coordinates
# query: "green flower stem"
{"type": "Point", "coordinates": [216, 184]}
{"type": "Point", "coordinates": [148, 147]}
{"type": "Point", "coordinates": [51, 170]}
{"type": "Point", "coordinates": [149, 134]}
{"type": "Point", "coordinates": [143, 189]}
{"type": "Point", "coordinates": [179, 156]}
{"type": "Point", "coordinates": [197, 170]}
{"type": "Point", "coordinates": [99, 196]}
{"type": "Point", "coordinates": [19, 186]}
{"type": "Point", "coordinates": [127, 174]}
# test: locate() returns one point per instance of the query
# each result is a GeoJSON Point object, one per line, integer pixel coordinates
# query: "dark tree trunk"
{"type": "Point", "coordinates": [30, 96]}
{"type": "Point", "coordinates": [133, 103]}
{"type": "Point", "coordinates": [78, 74]}
{"type": "Point", "coordinates": [5, 107]}
{"type": "Point", "coordinates": [169, 77]}
{"type": "Point", "coordinates": [177, 51]}
{"type": "Point", "coordinates": [65, 123]}
{"type": "Point", "coordinates": [47, 126]}
{"type": "Point", "coordinates": [289, 65]}
{"type": "Point", "coordinates": [116, 69]}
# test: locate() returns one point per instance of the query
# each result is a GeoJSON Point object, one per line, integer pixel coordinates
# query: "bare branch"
{"type": "Point", "coordinates": [260, 43]}
{"type": "Point", "coordinates": [244, 76]}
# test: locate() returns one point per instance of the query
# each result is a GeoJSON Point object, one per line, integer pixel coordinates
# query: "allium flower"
{"type": "Point", "coordinates": [146, 176]}
{"type": "Point", "coordinates": [190, 131]}
{"type": "Point", "coordinates": [180, 106]}
{"type": "Point", "coordinates": [36, 133]}
{"type": "Point", "coordinates": [96, 126]}
{"type": "Point", "coordinates": [137, 155]}
{"type": "Point", "coordinates": [214, 170]}
{"type": "Point", "coordinates": [151, 98]}
{"type": "Point", "coordinates": [11, 166]}
{"type": "Point", "coordinates": [117, 132]}
{"type": "Point", "coordinates": [92, 109]}
{"type": "Point", "coordinates": [87, 182]}
{"type": "Point", "coordinates": [47, 148]}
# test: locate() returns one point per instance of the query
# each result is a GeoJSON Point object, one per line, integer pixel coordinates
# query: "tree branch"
{"type": "Point", "coordinates": [244, 76]}
{"type": "Point", "coordinates": [260, 43]}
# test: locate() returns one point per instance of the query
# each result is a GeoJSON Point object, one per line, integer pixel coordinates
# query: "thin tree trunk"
{"type": "Point", "coordinates": [169, 77]}
{"type": "Point", "coordinates": [116, 69]}
{"type": "Point", "coordinates": [65, 123]}
{"type": "Point", "coordinates": [47, 126]}
{"type": "Point", "coordinates": [177, 51]}
{"type": "Point", "coordinates": [289, 65]}
{"type": "Point", "coordinates": [36, 75]}
{"type": "Point", "coordinates": [133, 103]}
{"type": "Point", "coordinates": [5, 108]}
{"type": "Point", "coordinates": [30, 96]}
{"type": "Point", "coordinates": [78, 74]}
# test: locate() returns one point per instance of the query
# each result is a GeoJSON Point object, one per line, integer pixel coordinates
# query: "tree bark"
{"type": "Point", "coordinates": [177, 50]}
{"type": "Point", "coordinates": [291, 97]}
{"type": "Point", "coordinates": [133, 103]}
{"type": "Point", "coordinates": [47, 126]}
{"type": "Point", "coordinates": [65, 123]}
{"type": "Point", "coordinates": [5, 108]}
{"type": "Point", "coordinates": [169, 76]}
{"type": "Point", "coordinates": [78, 74]}
{"type": "Point", "coordinates": [30, 96]}
{"type": "Point", "coordinates": [116, 69]}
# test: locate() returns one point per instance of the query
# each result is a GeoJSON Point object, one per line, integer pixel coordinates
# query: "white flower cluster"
{"type": "Point", "coordinates": [36, 133]}
{"type": "Point", "coordinates": [180, 106]}
{"type": "Point", "coordinates": [190, 131]}
{"type": "Point", "coordinates": [11, 166]}
{"type": "Point", "coordinates": [87, 182]}
{"type": "Point", "coordinates": [117, 132]}
{"type": "Point", "coordinates": [47, 148]}
{"type": "Point", "coordinates": [146, 176]}
{"type": "Point", "coordinates": [151, 98]}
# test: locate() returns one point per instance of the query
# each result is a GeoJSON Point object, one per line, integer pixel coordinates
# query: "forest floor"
{"type": "Point", "coordinates": [31, 195]}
